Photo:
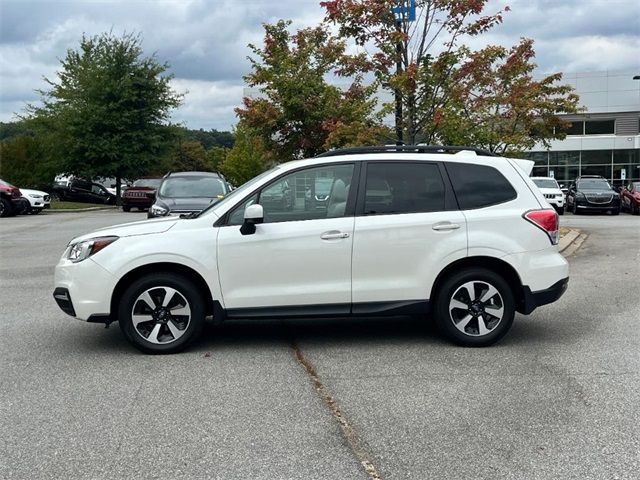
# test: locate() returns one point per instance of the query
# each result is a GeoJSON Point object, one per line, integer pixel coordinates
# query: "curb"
{"type": "Point", "coordinates": [71, 210]}
{"type": "Point", "coordinates": [571, 242]}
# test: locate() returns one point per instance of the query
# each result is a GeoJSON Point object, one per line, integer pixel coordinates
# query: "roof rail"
{"type": "Point", "coordinates": [406, 149]}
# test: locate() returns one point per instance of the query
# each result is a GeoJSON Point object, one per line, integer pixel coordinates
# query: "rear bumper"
{"type": "Point", "coordinates": [533, 300]}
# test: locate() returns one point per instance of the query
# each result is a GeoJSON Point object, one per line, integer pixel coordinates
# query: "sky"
{"type": "Point", "coordinates": [205, 42]}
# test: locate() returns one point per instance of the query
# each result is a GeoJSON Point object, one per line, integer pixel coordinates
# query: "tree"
{"type": "Point", "coordinates": [216, 156]}
{"type": "Point", "coordinates": [424, 63]}
{"type": "Point", "coordinates": [247, 158]}
{"type": "Point", "coordinates": [23, 162]}
{"type": "Point", "coordinates": [189, 156]}
{"type": "Point", "coordinates": [498, 105]}
{"type": "Point", "coordinates": [107, 109]}
{"type": "Point", "coordinates": [298, 113]}
{"type": "Point", "coordinates": [405, 51]}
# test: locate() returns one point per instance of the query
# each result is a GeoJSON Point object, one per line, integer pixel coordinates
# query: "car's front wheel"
{"type": "Point", "coordinates": [161, 313]}
{"type": "Point", "coordinates": [6, 209]}
{"type": "Point", "coordinates": [474, 307]}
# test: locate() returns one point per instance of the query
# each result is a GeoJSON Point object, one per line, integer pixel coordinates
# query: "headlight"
{"type": "Point", "coordinates": [33, 195]}
{"type": "Point", "coordinates": [83, 250]}
{"type": "Point", "coordinates": [157, 210]}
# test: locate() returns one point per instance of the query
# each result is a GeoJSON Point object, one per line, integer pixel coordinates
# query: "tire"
{"type": "Point", "coordinates": [615, 211]}
{"type": "Point", "coordinates": [126, 208]}
{"type": "Point", "coordinates": [634, 209]}
{"type": "Point", "coordinates": [6, 209]}
{"type": "Point", "coordinates": [475, 313]}
{"type": "Point", "coordinates": [162, 333]}
{"type": "Point", "coordinates": [561, 211]}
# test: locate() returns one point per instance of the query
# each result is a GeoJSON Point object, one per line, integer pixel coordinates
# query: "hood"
{"type": "Point", "coordinates": [555, 191]}
{"type": "Point", "coordinates": [145, 227]}
{"type": "Point", "coordinates": [199, 203]}
{"type": "Point", "coordinates": [27, 191]}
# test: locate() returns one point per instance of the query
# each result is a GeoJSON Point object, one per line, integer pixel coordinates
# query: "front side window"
{"type": "Point", "coordinates": [309, 194]}
{"type": "Point", "coordinates": [478, 186]}
{"type": "Point", "coordinates": [396, 188]}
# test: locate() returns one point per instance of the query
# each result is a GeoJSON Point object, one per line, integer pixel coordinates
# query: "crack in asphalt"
{"type": "Point", "coordinates": [351, 436]}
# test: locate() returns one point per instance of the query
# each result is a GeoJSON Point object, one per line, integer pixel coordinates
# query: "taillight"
{"type": "Point", "coordinates": [545, 220]}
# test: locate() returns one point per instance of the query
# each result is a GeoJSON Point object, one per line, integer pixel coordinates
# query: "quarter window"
{"type": "Point", "coordinates": [478, 186]}
{"type": "Point", "coordinates": [395, 188]}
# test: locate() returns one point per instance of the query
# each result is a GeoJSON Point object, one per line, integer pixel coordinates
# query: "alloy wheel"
{"type": "Point", "coordinates": [161, 315]}
{"type": "Point", "coordinates": [476, 308]}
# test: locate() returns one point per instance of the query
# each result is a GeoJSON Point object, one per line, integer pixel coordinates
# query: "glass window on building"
{"type": "Point", "coordinates": [631, 172]}
{"type": "Point", "coordinates": [539, 158]}
{"type": "Point", "coordinates": [564, 158]}
{"type": "Point", "coordinates": [626, 156]}
{"type": "Point", "coordinates": [596, 157]}
{"type": "Point", "coordinates": [540, 172]}
{"type": "Point", "coordinates": [602, 170]}
{"type": "Point", "coordinates": [564, 173]}
{"type": "Point", "coordinates": [576, 128]}
{"type": "Point", "coordinates": [599, 127]}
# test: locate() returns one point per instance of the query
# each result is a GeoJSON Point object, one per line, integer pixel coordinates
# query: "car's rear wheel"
{"type": "Point", "coordinates": [474, 307]}
{"type": "Point", "coordinates": [615, 211]}
{"type": "Point", "coordinates": [161, 313]}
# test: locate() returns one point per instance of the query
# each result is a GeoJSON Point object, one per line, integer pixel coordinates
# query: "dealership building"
{"type": "Point", "coordinates": [604, 139]}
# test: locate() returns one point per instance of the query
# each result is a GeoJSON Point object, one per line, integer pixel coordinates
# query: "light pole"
{"type": "Point", "coordinates": [402, 13]}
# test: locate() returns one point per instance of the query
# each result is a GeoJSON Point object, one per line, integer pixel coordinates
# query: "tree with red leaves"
{"type": "Point", "coordinates": [443, 89]}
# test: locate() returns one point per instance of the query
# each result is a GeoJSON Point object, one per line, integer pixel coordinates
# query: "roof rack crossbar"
{"type": "Point", "coordinates": [406, 149]}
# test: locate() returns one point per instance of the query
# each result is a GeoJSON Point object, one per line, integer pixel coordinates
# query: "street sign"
{"type": "Point", "coordinates": [404, 12]}
{"type": "Point", "coordinates": [552, 173]}
{"type": "Point", "coordinates": [623, 174]}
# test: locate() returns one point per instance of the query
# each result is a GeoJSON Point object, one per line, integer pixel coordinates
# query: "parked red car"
{"type": "Point", "coordinates": [141, 194]}
{"type": "Point", "coordinates": [630, 198]}
{"type": "Point", "coordinates": [11, 201]}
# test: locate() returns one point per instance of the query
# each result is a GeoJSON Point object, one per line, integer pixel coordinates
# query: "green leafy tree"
{"type": "Point", "coordinates": [247, 158]}
{"type": "Point", "coordinates": [216, 156]}
{"type": "Point", "coordinates": [189, 156]}
{"type": "Point", "coordinates": [298, 113]}
{"type": "Point", "coordinates": [497, 104]}
{"type": "Point", "coordinates": [24, 162]}
{"type": "Point", "coordinates": [107, 110]}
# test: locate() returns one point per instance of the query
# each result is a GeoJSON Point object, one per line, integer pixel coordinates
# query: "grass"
{"type": "Point", "coordinates": [61, 205]}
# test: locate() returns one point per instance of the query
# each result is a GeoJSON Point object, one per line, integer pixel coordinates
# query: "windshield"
{"type": "Point", "coordinates": [545, 183]}
{"type": "Point", "coordinates": [147, 182]}
{"type": "Point", "coordinates": [192, 187]}
{"type": "Point", "coordinates": [238, 192]}
{"type": "Point", "coordinates": [636, 186]}
{"type": "Point", "coordinates": [593, 184]}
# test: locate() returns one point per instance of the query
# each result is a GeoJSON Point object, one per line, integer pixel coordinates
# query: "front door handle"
{"type": "Point", "coordinates": [444, 226]}
{"type": "Point", "coordinates": [333, 234]}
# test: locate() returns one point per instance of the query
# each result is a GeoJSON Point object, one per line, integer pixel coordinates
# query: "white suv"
{"type": "Point", "coordinates": [551, 191]}
{"type": "Point", "coordinates": [466, 237]}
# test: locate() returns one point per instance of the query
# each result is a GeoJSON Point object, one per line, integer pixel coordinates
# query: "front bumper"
{"type": "Point", "coordinates": [84, 288]}
{"type": "Point", "coordinates": [533, 300]}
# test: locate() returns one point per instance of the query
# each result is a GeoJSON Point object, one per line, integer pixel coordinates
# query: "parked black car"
{"type": "Point", "coordinates": [188, 192]}
{"type": "Point", "coordinates": [592, 193]}
{"type": "Point", "coordinates": [78, 190]}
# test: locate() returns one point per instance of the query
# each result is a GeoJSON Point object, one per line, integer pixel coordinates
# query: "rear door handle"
{"type": "Point", "coordinates": [444, 226]}
{"type": "Point", "coordinates": [333, 234]}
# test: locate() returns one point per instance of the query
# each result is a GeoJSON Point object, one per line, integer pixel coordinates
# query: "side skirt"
{"type": "Point", "coordinates": [403, 307]}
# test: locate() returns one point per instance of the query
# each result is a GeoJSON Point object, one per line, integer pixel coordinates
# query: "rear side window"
{"type": "Point", "coordinates": [394, 188]}
{"type": "Point", "coordinates": [478, 186]}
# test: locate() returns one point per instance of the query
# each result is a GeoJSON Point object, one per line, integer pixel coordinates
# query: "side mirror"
{"type": "Point", "coordinates": [253, 215]}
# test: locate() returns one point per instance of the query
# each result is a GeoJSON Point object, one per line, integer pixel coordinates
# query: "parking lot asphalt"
{"type": "Point", "coordinates": [556, 398]}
